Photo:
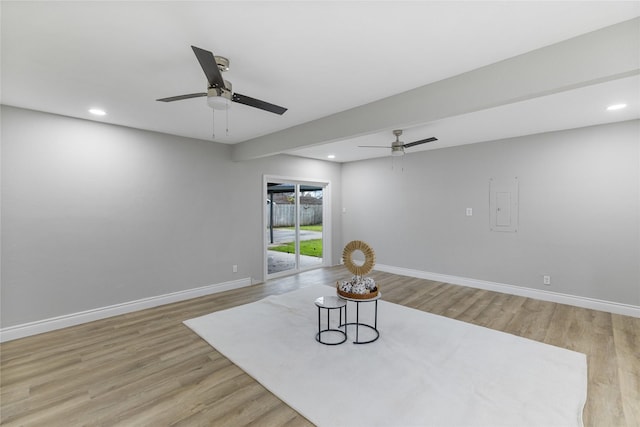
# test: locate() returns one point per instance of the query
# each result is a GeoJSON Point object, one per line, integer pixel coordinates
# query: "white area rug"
{"type": "Point", "coordinates": [424, 370]}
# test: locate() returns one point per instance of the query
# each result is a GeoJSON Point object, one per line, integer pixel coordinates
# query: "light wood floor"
{"type": "Point", "coordinates": [147, 368]}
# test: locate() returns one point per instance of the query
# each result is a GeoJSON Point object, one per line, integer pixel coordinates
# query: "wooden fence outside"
{"type": "Point", "coordinates": [284, 215]}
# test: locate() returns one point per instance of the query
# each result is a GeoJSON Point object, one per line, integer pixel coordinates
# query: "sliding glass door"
{"type": "Point", "coordinates": [294, 226]}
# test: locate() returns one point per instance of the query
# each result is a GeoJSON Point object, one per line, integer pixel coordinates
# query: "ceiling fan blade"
{"type": "Point", "coordinates": [374, 146]}
{"type": "Point", "coordinates": [209, 66]}
{"type": "Point", "coordinates": [180, 97]}
{"type": "Point", "coordinates": [422, 141]}
{"type": "Point", "coordinates": [252, 102]}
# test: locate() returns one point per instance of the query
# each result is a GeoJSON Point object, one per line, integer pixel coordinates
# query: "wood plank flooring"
{"type": "Point", "coordinates": [147, 369]}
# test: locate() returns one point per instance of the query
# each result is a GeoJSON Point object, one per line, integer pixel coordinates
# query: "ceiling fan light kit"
{"type": "Point", "coordinates": [218, 102]}
{"type": "Point", "coordinates": [397, 150]}
{"type": "Point", "coordinates": [219, 99]}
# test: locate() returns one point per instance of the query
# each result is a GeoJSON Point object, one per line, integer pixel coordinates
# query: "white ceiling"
{"type": "Point", "coordinates": [316, 58]}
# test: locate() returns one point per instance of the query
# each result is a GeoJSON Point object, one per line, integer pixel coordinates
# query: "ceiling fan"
{"type": "Point", "coordinates": [219, 91]}
{"type": "Point", "coordinates": [397, 146]}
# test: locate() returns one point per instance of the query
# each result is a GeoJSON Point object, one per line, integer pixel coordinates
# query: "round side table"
{"type": "Point", "coordinates": [330, 303]}
{"type": "Point", "coordinates": [358, 323]}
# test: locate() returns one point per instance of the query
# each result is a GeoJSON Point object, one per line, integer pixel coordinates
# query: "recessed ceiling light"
{"type": "Point", "coordinates": [97, 112]}
{"type": "Point", "coordinates": [616, 107]}
{"type": "Point", "coordinates": [331, 156]}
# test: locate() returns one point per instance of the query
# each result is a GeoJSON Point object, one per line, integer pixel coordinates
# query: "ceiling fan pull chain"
{"type": "Point", "coordinates": [227, 116]}
{"type": "Point", "coordinates": [397, 163]}
{"type": "Point", "coordinates": [213, 123]}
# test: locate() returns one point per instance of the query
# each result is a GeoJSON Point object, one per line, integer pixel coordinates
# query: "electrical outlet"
{"type": "Point", "coordinates": [469, 211]}
{"type": "Point", "coordinates": [546, 280]}
{"type": "Point", "coordinates": [235, 268]}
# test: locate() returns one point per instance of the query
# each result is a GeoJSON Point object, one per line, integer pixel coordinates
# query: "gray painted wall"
{"type": "Point", "coordinates": [579, 211]}
{"type": "Point", "coordinates": [95, 215]}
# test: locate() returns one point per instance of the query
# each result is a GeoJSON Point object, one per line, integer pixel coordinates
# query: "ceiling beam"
{"type": "Point", "coordinates": [596, 57]}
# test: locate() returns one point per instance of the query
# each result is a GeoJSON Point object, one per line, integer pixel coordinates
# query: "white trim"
{"type": "Point", "coordinates": [51, 324]}
{"type": "Point", "coordinates": [578, 301]}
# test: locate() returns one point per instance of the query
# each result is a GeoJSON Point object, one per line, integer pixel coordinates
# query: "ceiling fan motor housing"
{"type": "Point", "coordinates": [221, 91]}
{"type": "Point", "coordinates": [397, 148]}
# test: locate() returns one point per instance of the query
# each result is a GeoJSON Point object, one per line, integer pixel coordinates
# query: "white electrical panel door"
{"type": "Point", "coordinates": [503, 204]}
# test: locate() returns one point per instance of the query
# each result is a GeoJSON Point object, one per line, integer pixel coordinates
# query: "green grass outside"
{"type": "Point", "coordinates": [307, 247]}
{"type": "Point", "coordinates": [317, 227]}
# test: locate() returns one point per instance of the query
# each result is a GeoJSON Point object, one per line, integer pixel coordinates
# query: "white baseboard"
{"type": "Point", "coordinates": [46, 325]}
{"type": "Point", "coordinates": [578, 301]}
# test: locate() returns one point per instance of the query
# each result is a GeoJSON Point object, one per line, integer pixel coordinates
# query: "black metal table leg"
{"type": "Point", "coordinates": [375, 317]}
{"type": "Point", "coordinates": [357, 322]}
{"type": "Point", "coordinates": [330, 303]}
